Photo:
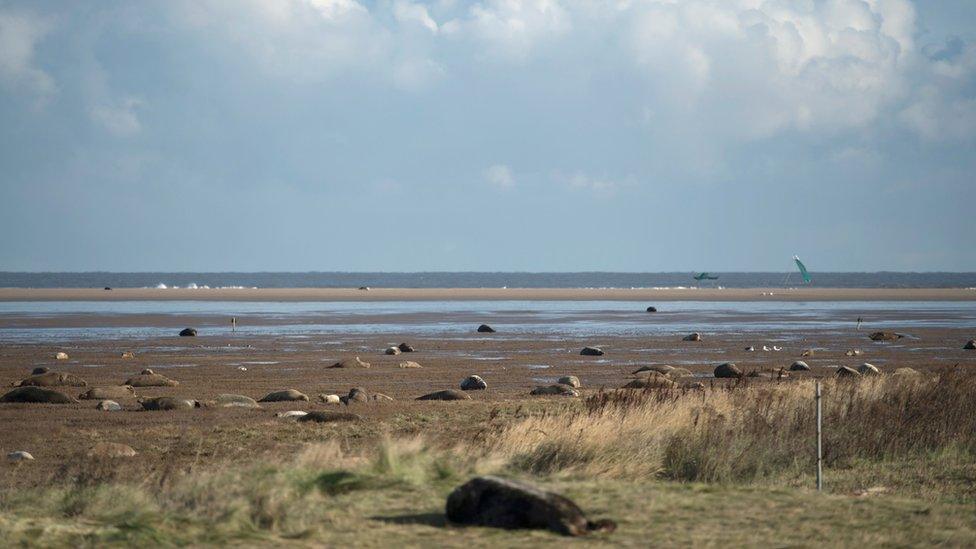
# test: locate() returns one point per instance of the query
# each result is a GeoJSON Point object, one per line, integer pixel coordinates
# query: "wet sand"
{"type": "Point", "coordinates": [512, 364]}
{"type": "Point", "coordinates": [490, 294]}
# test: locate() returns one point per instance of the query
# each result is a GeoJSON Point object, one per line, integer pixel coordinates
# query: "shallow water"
{"type": "Point", "coordinates": [514, 320]}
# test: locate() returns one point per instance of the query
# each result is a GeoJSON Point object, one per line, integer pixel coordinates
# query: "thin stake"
{"type": "Point", "coordinates": [819, 439]}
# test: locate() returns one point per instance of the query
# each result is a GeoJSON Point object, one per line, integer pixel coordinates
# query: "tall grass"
{"type": "Point", "coordinates": [743, 432]}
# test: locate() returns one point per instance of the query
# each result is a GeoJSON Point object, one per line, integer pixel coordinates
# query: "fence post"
{"type": "Point", "coordinates": [819, 438]}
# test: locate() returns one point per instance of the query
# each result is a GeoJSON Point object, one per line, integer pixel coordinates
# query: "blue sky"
{"type": "Point", "coordinates": [542, 135]}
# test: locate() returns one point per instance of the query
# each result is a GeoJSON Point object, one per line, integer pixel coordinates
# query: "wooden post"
{"type": "Point", "coordinates": [819, 438]}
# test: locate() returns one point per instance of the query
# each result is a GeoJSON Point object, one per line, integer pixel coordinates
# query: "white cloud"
{"type": "Point", "coordinates": [19, 35]}
{"type": "Point", "coordinates": [407, 12]}
{"type": "Point", "coordinates": [119, 119]}
{"type": "Point", "coordinates": [500, 175]}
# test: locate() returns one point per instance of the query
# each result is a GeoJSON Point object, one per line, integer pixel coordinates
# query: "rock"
{"type": "Point", "coordinates": [151, 380]}
{"type": "Point", "coordinates": [380, 397]}
{"type": "Point", "coordinates": [323, 416]}
{"type": "Point", "coordinates": [236, 401]}
{"type": "Point", "coordinates": [19, 456]}
{"type": "Point", "coordinates": [329, 399]}
{"type": "Point", "coordinates": [409, 364]}
{"type": "Point", "coordinates": [109, 406]}
{"type": "Point", "coordinates": [571, 381]}
{"type": "Point", "coordinates": [392, 351]}
{"type": "Point", "coordinates": [53, 379]}
{"type": "Point", "coordinates": [288, 395]}
{"type": "Point", "coordinates": [557, 390]}
{"type": "Point", "coordinates": [910, 372]}
{"type": "Point", "coordinates": [652, 309]}
{"type": "Point", "coordinates": [40, 370]}
{"type": "Point", "coordinates": [293, 413]}
{"type": "Point", "coordinates": [486, 329]}
{"type": "Point", "coordinates": [350, 363]}
{"type": "Point", "coordinates": [799, 366]}
{"type": "Point", "coordinates": [854, 352]}
{"type": "Point", "coordinates": [61, 355]}
{"type": "Point", "coordinates": [110, 392]}
{"type": "Point", "coordinates": [885, 336]}
{"type": "Point", "coordinates": [188, 332]}
{"type": "Point", "coordinates": [657, 381]}
{"type": "Point", "coordinates": [473, 383]}
{"type": "Point", "coordinates": [405, 348]}
{"type": "Point", "coordinates": [128, 354]}
{"type": "Point", "coordinates": [168, 403]}
{"type": "Point", "coordinates": [448, 394]}
{"type": "Point", "coordinates": [868, 369]}
{"type": "Point", "coordinates": [591, 351]}
{"type": "Point", "coordinates": [970, 345]}
{"type": "Point", "coordinates": [692, 337]}
{"type": "Point", "coordinates": [846, 371]}
{"type": "Point", "coordinates": [727, 370]}
{"type": "Point", "coordinates": [34, 394]}
{"type": "Point", "coordinates": [356, 394]}
{"type": "Point", "coordinates": [500, 503]}
{"type": "Point", "coordinates": [111, 450]}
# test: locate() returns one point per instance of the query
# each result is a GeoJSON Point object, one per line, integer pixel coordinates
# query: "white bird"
{"type": "Point", "coordinates": [241, 368]}
{"type": "Point", "coordinates": [767, 349]}
{"type": "Point", "coordinates": [775, 348]}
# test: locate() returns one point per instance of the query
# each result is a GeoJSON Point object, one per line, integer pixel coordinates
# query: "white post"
{"type": "Point", "coordinates": [819, 439]}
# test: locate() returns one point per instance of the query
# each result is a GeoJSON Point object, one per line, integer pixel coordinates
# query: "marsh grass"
{"type": "Point", "coordinates": [914, 435]}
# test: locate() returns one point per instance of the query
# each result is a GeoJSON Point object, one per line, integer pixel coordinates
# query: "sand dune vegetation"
{"type": "Point", "coordinates": [746, 446]}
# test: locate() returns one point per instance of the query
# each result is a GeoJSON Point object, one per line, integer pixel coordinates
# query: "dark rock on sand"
{"type": "Point", "coordinates": [591, 351]}
{"type": "Point", "coordinates": [845, 371]}
{"type": "Point", "coordinates": [501, 503]}
{"type": "Point", "coordinates": [692, 337]}
{"type": "Point", "coordinates": [405, 348]}
{"type": "Point", "coordinates": [557, 390]}
{"type": "Point", "coordinates": [168, 403]}
{"type": "Point", "coordinates": [353, 362]}
{"type": "Point", "coordinates": [652, 309]}
{"type": "Point", "coordinates": [885, 336]}
{"type": "Point", "coordinates": [799, 366]}
{"type": "Point", "coordinates": [54, 379]}
{"type": "Point", "coordinates": [328, 416]}
{"type": "Point", "coordinates": [448, 394]}
{"type": "Point", "coordinates": [188, 332]}
{"type": "Point", "coordinates": [486, 329]}
{"type": "Point", "coordinates": [36, 395]}
{"type": "Point", "coordinates": [110, 392]}
{"type": "Point", "coordinates": [151, 380]}
{"type": "Point", "coordinates": [473, 383]}
{"type": "Point", "coordinates": [970, 345]}
{"type": "Point", "coordinates": [727, 370]}
{"type": "Point", "coordinates": [284, 396]}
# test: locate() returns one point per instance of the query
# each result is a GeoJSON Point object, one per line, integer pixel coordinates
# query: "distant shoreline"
{"type": "Point", "coordinates": [489, 294]}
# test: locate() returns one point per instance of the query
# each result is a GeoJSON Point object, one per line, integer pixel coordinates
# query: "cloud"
{"type": "Point", "coordinates": [500, 176]}
{"type": "Point", "coordinates": [120, 119]}
{"type": "Point", "coordinates": [407, 12]}
{"type": "Point", "coordinates": [582, 181]}
{"type": "Point", "coordinates": [19, 35]}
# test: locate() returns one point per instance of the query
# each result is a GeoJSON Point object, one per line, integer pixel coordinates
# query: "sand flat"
{"type": "Point", "coordinates": [650, 295]}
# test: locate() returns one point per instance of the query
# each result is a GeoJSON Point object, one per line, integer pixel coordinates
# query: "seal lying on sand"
{"type": "Point", "coordinates": [284, 396]}
{"type": "Point", "coordinates": [449, 394]}
{"type": "Point", "coordinates": [558, 390]}
{"type": "Point", "coordinates": [111, 450]}
{"type": "Point", "coordinates": [110, 392]}
{"type": "Point", "coordinates": [324, 416]}
{"type": "Point", "coordinates": [168, 403]}
{"type": "Point", "coordinates": [151, 380]}
{"type": "Point", "coordinates": [236, 401]}
{"type": "Point", "coordinates": [350, 363]}
{"type": "Point", "coordinates": [53, 379]}
{"type": "Point", "coordinates": [502, 503]}
{"type": "Point", "coordinates": [37, 395]}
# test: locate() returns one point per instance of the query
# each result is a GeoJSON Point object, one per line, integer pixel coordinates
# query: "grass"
{"type": "Point", "coordinates": [725, 466]}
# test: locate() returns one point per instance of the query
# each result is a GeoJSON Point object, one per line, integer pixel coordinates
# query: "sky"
{"type": "Point", "coordinates": [492, 135]}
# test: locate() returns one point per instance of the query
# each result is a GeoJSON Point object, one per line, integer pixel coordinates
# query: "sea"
{"type": "Point", "coordinates": [479, 280]}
